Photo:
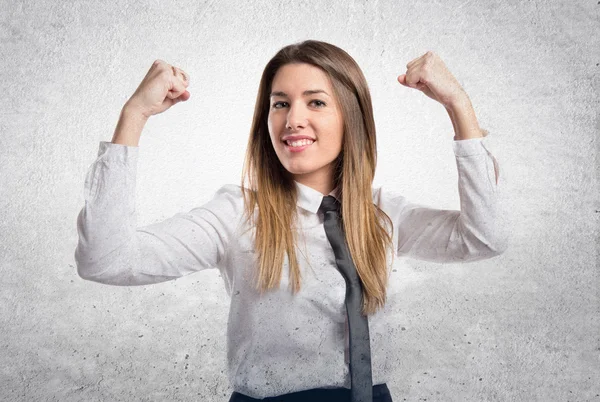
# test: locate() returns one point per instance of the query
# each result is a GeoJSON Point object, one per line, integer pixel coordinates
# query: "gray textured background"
{"type": "Point", "coordinates": [521, 327]}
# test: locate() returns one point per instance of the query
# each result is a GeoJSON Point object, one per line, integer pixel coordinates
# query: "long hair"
{"type": "Point", "coordinates": [272, 187]}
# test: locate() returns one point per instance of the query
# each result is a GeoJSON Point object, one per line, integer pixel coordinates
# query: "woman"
{"type": "Point", "coordinates": [312, 141]}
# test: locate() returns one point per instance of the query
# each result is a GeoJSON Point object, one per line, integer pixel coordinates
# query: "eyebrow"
{"type": "Point", "coordinates": [305, 93]}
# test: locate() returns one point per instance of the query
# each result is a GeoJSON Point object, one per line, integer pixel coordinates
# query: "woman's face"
{"type": "Point", "coordinates": [298, 111]}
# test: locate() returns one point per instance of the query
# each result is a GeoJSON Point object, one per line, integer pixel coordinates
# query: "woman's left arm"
{"type": "Point", "coordinates": [464, 121]}
{"type": "Point", "coordinates": [430, 75]}
{"type": "Point", "coordinates": [474, 232]}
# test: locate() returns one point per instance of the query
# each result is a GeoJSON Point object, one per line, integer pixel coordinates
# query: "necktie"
{"type": "Point", "coordinates": [358, 325]}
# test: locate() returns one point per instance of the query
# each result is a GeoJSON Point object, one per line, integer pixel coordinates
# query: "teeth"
{"type": "Point", "coordinates": [299, 143]}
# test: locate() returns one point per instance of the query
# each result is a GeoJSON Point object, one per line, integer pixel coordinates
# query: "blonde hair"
{"type": "Point", "coordinates": [272, 188]}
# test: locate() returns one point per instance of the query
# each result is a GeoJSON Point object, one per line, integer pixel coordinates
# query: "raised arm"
{"type": "Point", "coordinates": [471, 234]}
{"type": "Point", "coordinates": [475, 232]}
{"type": "Point", "coordinates": [113, 250]}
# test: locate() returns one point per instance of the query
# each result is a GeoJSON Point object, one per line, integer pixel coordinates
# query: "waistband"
{"type": "Point", "coordinates": [381, 393]}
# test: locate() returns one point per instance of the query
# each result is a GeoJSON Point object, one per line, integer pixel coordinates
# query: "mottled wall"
{"type": "Point", "coordinates": [520, 327]}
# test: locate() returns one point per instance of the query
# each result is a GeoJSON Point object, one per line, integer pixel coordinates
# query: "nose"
{"type": "Point", "coordinates": [296, 118]}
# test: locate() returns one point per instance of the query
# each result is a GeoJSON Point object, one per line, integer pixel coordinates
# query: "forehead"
{"type": "Point", "coordinates": [300, 76]}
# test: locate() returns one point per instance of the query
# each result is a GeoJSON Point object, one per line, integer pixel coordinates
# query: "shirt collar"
{"type": "Point", "coordinates": [310, 199]}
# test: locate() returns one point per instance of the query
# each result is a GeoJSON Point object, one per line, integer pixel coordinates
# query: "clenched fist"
{"type": "Point", "coordinates": [163, 86]}
{"type": "Point", "coordinates": [430, 75]}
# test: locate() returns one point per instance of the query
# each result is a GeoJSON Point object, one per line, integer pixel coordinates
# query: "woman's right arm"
{"type": "Point", "coordinates": [113, 250]}
{"type": "Point", "coordinates": [130, 126]}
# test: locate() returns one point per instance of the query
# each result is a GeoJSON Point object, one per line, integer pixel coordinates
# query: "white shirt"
{"type": "Point", "coordinates": [280, 343]}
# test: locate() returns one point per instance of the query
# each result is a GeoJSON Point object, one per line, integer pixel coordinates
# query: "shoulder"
{"type": "Point", "coordinates": [224, 208]}
{"type": "Point", "coordinates": [392, 202]}
{"type": "Point", "coordinates": [229, 199]}
{"type": "Point", "coordinates": [231, 194]}
{"type": "Point", "coordinates": [229, 190]}
{"type": "Point", "coordinates": [386, 196]}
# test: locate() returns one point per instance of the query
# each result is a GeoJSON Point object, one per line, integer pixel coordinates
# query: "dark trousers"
{"type": "Point", "coordinates": [381, 393]}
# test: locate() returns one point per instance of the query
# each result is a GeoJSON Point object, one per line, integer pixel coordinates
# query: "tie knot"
{"type": "Point", "coordinates": [329, 203]}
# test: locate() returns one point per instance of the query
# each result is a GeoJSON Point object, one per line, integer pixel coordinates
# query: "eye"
{"type": "Point", "coordinates": [317, 103]}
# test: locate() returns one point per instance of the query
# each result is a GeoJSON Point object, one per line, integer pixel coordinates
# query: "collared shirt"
{"type": "Point", "coordinates": [278, 343]}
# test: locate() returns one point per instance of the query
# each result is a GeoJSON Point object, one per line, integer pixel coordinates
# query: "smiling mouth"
{"type": "Point", "coordinates": [300, 145]}
{"type": "Point", "coordinates": [299, 142]}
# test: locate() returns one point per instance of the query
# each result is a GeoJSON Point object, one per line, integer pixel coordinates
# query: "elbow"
{"type": "Point", "coordinates": [501, 242]}
{"type": "Point", "coordinates": [104, 277]}
{"type": "Point", "coordinates": [479, 248]}
{"type": "Point", "coordinates": [497, 249]}
{"type": "Point", "coordinates": [91, 272]}
{"type": "Point", "coordinates": [86, 273]}
{"type": "Point", "coordinates": [82, 270]}
{"type": "Point", "coordinates": [498, 245]}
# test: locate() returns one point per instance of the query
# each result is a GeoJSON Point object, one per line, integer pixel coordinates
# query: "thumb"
{"type": "Point", "coordinates": [183, 97]}
{"type": "Point", "coordinates": [402, 80]}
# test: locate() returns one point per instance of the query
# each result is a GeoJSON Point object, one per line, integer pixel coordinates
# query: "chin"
{"type": "Point", "coordinates": [299, 172]}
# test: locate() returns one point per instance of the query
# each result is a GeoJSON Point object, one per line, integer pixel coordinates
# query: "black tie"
{"type": "Point", "coordinates": [358, 325]}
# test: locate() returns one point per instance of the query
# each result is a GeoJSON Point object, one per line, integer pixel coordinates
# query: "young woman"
{"type": "Point", "coordinates": [312, 139]}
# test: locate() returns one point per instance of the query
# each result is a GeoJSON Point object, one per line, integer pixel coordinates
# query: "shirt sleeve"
{"type": "Point", "coordinates": [471, 234]}
{"type": "Point", "coordinates": [113, 250]}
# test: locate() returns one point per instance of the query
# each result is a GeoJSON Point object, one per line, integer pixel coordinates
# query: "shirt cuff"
{"type": "Point", "coordinates": [122, 152]}
{"type": "Point", "coordinates": [472, 146]}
